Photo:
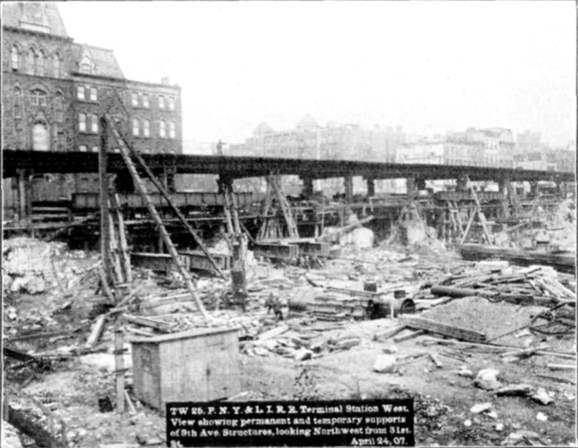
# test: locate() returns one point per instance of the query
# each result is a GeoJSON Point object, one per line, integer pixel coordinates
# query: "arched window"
{"type": "Point", "coordinates": [86, 65]}
{"type": "Point", "coordinates": [80, 92]}
{"type": "Point", "coordinates": [56, 66]}
{"type": "Point", "coordinates": [93, 94]}
{"type": "Point", "coordinates": [14, 58]}
{"type": "Point", "coordinates": [162, 129]}
{"type": "Point", "coordinates": [40, 63]}
{"type": "Point", "coordinates": [134, 97]}
{"type": "Point", "coordinates": [135, 126]}
{"type": "Point", "coordinates": [30, 62]}
{"type": "Point", "coordinates": [145, 101]}
{"type": "Point", "coordinates": [172, 130]}
{"type": "Point", "coordinates": [40, 136]}
{"type": "Point", "coordinates": [146, 128]}
{"type": "Point", "coordinates": [17, 102]}
{"type": "Point", "coordinates": [82, 122]}
{"type": "Point", "coordinates": [171, 103]}
{"type": "Point", "coordinates": [38, 97]}
{"type": "Point", "coordinates": [94, 124]}
{"type": "Point", "coordinates": [58, 106]}
{"type": "Point", "coordinates": [161, 102]}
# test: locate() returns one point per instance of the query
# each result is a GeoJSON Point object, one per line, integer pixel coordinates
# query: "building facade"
{"type": "Point", "coordinates": [54, 90]}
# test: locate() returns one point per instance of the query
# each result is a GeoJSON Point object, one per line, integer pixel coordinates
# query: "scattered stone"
{"type": "Point", "coordinates": [499, 426]}
{"type": "Point", "coordinates": [492, 414]}
{"type": "Point", "coordinates": [515, 389]}
{"type": "Point", "coordinates": [303, 354]}
{"type": "Point", "coordinates": [482, 407]}
{"type": "Point", "coordinates": [542, 397]}
{"type": "Point", "coordinates": [518, 437]}
{"type": "Point", "coordinates": [391, 350]}
{"type": "Point", "coordinates": [487, 379]}
{"type": "Point", "coordinates": [468, 423]}
{"type": "Point", "coordinates": [464, 371]}
{"type": "Point", "coordinates": [385, 364]}
{"type": "Point", "coordinates": [541, 417]}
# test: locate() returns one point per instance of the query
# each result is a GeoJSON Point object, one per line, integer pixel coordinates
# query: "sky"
{"type": "Point", "coordinates": [429, 67]}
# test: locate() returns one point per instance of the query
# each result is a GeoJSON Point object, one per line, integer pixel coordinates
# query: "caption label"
{"type": "Point", "coordinates": [291, 423]}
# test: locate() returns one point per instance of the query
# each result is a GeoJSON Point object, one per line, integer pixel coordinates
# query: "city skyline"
{"type": "Point", "coordinates": [428, 67]}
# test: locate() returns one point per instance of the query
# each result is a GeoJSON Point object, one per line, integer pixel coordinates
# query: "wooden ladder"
{"type": "Point", "coordinates": [125, 152]}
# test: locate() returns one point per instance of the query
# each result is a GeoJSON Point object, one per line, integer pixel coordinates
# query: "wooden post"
{"type": "Point", "coordinates": [104, 213]}
{"type": "Point", "coordinates": [348, 184]}
{"type": "Point", "coordinates": [119, 366]}
{"type": "Point", "coordinates": [370, 187]}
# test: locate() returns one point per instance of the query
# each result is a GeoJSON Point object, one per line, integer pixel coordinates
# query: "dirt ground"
{"type": "Point", "coordinates": [64, 398]}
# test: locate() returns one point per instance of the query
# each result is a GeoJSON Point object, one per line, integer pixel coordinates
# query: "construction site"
{"type": "Point", "coordinates": [462, 300]}
{"type": "Point", "coordinates": [137, 277]}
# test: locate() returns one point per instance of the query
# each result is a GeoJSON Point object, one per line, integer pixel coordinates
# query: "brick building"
{"type": "Point", "coordinates": [54, 90]}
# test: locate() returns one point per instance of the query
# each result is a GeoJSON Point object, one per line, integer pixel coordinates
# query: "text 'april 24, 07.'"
{"type": "Point", "coordinates": [292, 423]}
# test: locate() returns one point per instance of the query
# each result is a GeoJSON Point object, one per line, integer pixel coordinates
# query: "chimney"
{"type": "Point", "coordinates": [165, 80]}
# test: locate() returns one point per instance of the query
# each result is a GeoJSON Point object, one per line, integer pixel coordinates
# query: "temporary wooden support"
{"type": "Point", "coordinates": [271, 228]}
{"type": "Point", "coordinates": [122, 238]}
{"type": "Point", "coordinates": [125, 153]}
{"type": "Point", "coordinates": [104, 205]}
{"type": "Point", "coordinates": [120, 371]}
{"type": "Point", "coordinates": [174, 208]}
{"type": "Point", "coordinates": [420, 323]}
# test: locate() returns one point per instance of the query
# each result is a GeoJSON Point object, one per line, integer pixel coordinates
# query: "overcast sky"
{"type": "Point", "coordinates": [427, 66]}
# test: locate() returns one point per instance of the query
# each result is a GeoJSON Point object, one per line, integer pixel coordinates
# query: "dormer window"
{"type": "Point", "coordinates": [86, 65]}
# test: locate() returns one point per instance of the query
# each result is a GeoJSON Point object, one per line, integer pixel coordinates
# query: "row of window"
{"type": "Point", "coordinates": [146, 128]}
{"type": "Point", "coordinates": [142, 100]}
{"type": "Point", "coordinates": [36, 62]}
{"type": "Point", "coordinates": [86, 93]}
{"type": "Point", "coordinates": [88, 123]}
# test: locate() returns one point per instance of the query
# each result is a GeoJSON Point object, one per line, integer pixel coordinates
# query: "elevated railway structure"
{"type": "Point", "coordinates": [80, 210]}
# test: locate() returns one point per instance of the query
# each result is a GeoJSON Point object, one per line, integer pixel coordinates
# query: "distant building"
{"type": "Point", "coordinates": [54, 90]}
{"type": "Point", "coordinates": [309, 140]}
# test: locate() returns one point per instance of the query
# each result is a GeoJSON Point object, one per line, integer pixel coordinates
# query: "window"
{"type": "Point", "coordinates": [80, 92]}
{"type": "Point", "coordinates": [93, 94]}
{"type": "Point", "coordinates": [30, 62]}
{"type": "Point", "coordinates": [56, 66]}
{"type": "Point", "coordinates": [146, 128]}
{"type": "Point", "coordinates": [83, 148]}
{"type": "Point", "coordinates": [135, 126]}
{"type": "Point", "coordinates": [14, 59]}
{"type": "Point", "coordinates": [134, 97]}
{"type": "Point", "coordinates": [58, 104]}
{"type": "Point", "coordinates": [171, 103]}
{"type": "Point", "coordinates": [162, 129]}
{"type": "Point", "coordinates": [40, 136]}
{"type": "Point", "coordinates": [38, 97]}
{"type": "Point", "coordinates": [145, 101]}
{"type": "Point", "coordinates": [161, 102]}
{"type": "Point", "coordinates": [82, 122]}
{"type": "Point", "coordinates": [86, 65]}
{"type": "Point", "coordinates": [40, 63]}
{"type": "Point", "coordinates": [17, 102]}
{"type": "Point", "coordinates": [94, 124]}
{"type": "Point", "coordinates": [172, 130]}
{"type": "Point", "coordinates": [95, 149]}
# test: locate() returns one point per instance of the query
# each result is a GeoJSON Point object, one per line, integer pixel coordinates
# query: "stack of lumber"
{"type": "Point", "coordinates": [537, 285]}
{"type": "Point", "coordinates": [561, 261]}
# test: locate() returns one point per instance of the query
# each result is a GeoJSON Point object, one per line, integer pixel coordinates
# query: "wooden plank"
{"type": "Point", "coordinates": [389, 333]}
{"type": "Point", "coordinates": [408, 336]}
{"type": "Point", "coordinates": [96, 332]}
{"type": "Point", "coordinates": [119, 365]}
{"type": "Point", "coordinates": [165, 328]}
{"type": "Point", "coordinates": [420, 323]}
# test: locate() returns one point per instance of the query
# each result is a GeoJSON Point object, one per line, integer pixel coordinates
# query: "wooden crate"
{"type": "Point", "coordinates": [197, 365]}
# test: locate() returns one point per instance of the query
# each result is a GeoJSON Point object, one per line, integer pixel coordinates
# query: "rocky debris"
{"type": "Point", "coordinates": [385, 364]}
{"type": "Point", "coordinates": [540, 416]}
{"type": "Point", "coordinates": [542, 397]}
{"type": "Point", "coordinates": [10, 437]}
{"type": "Point", "coordinates": [487, 379]}
{"type": "Point", "coordinates": [515, 390]}
{"type": "Point", "coordinates": [479, 408]}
